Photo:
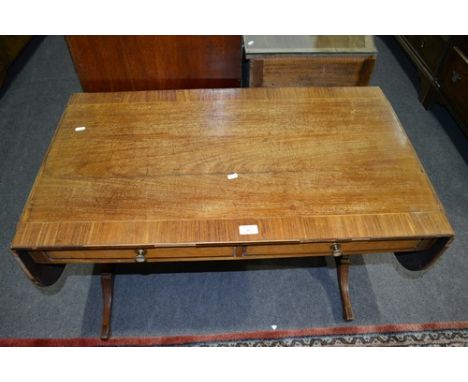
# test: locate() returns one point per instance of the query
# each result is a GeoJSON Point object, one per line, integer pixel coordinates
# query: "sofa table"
{"type": "Point", "coordinates": [233, 174]}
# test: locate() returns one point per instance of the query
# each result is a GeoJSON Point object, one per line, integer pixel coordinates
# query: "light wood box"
{"type": "Point", "coordinates": [280, 61]}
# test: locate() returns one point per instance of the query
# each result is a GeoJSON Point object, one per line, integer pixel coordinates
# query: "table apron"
{"type": "Point", "coordinates": [233, 252]}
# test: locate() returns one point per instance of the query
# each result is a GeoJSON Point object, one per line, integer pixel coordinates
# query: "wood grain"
{"type": "Point", "coordinates": [107, 286]}
{"type": "Point", "coordinates": [276, 61]}
{"type": "Point", "coordinates": [125, 63]}
{"type": "Point", "coordinates": [314, 165]}
{"type": "Point", "coordinates": [342, 269]}
{"type": "Point", "coordinates": [309, 70]}
{"type": "Point", "coordinates": [218, 252]}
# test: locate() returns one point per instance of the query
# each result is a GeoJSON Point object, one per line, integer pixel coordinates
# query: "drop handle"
{"type": "Point", "coordinates": [336, 250]}
{"type": "Point", "coordinates": [140, 256]}
{"type": "Point", "coordinates": [455, 76]}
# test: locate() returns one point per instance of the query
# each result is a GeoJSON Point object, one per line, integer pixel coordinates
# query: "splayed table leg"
{"type": "Point", "coordinates": [342, 268]}
{"type": "Point", "coordinates": [107, 284]}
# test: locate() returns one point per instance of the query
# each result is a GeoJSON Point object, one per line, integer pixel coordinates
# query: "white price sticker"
{"type": "Point", "coordinates": [248, 229]}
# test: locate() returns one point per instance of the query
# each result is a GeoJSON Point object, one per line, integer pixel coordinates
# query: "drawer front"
{"type": "Point", "coordinates": [320, 249]}
{"type": "Point", "coordinates": [429, 48]}
{"type": "Point", "coordinates": [207, 253]}
{"type": "Point", "coordinates": [130, 255]}
{"type": "Point", "coordinates": [454, 82]}
{"type": "Point", "coordinates": [311, 71]}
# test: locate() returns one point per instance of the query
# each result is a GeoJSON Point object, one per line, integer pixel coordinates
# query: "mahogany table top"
{"type": "Point", "coordinates": [184, 167]}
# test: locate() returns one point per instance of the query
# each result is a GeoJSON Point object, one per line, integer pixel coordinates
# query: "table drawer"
{"type": "Point", "coordinates": [128, 255]}
{"type": "Point", "coordinates": [324, 248]}
{"type": "Point", "coordinates": [206, 253]}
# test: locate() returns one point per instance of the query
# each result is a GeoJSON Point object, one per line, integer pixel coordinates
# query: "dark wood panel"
{"type": "Point", "coordinates": [125, 63]}
{"type": "Point", "coordinates": [10, 48]}
{"type": "Point", "coordinates": [441, 62]}
{"type": "Point", "coordinates": [454, 82]}
{"type": "Point", "coordinates": [429, 48]}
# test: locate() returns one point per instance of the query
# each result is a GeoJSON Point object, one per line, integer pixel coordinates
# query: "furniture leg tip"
{"type": "Point", "coordinates": [348, 314]}
{"type": "Point", "coordinates": [105, 334]}
{"type": "Point", "coordinates": [105, 337]}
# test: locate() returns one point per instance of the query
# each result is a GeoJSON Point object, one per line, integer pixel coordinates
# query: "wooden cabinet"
{"type": "Point", "coordinates": [276, 61]}
{"type": "Point", "coordinates": [430, 49]}
{"type": "Point", "coordinates": [453, 82]}
{"type": "Point", "coordinates": [126, 63]}
{"type": "Point", "coordinates": [442, 66]}
{"type": "Point", "coordinates": [10, 48]}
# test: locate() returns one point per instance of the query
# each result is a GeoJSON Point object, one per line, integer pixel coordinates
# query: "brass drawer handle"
{"type": "Point", "coordinates": [336, 250]}
{"type": "Point", "coordinates": [141, 256]}
{"type": "Point", "coordinates": [455, 76]}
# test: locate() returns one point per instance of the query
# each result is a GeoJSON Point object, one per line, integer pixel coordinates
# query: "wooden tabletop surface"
{"type": "Point", "coordinates": [151, 168]}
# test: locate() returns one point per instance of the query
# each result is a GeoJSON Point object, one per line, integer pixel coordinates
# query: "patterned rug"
{"type": "Point", "coordinates": [426, 334]}
{"type": "Point", "coordinates": [450, 337]}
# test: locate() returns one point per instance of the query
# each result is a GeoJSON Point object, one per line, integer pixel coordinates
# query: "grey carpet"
{"type": "Point", "coordinates": [201, 298]}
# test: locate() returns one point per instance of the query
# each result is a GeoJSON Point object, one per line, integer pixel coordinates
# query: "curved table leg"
{"type": "Point", "coordinates": [107, 284]}
{"type": "Point", "coordinates": [41, 274]}
{"type": "Point", "coordinates": [342, 268]}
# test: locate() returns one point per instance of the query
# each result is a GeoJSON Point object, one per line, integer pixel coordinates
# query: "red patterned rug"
{"type": "Point", "coordinates": [426, 334]}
